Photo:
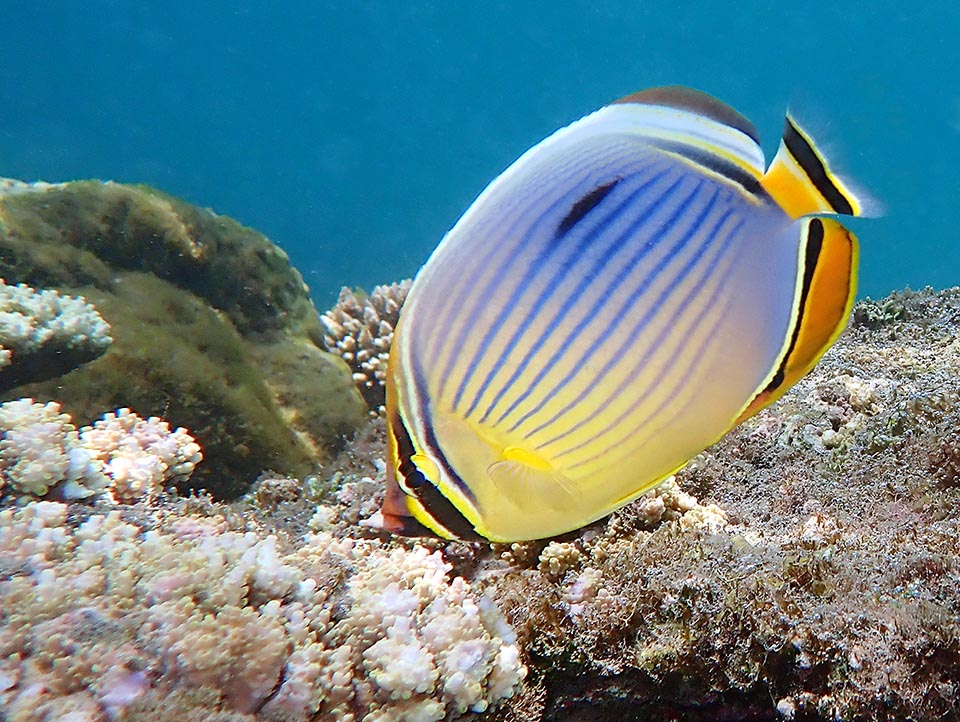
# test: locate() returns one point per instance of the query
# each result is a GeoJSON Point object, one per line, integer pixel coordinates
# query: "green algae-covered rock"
{"type": "Point", "coordinates": [55, 236]}
{"type": "Point", "coordinates": [212, 327]}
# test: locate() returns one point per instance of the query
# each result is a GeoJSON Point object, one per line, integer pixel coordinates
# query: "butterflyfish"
{"type": "Point", "coordinates": [629, 290]}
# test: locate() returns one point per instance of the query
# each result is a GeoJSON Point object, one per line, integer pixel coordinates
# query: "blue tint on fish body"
{"type": "Point", "coordinates": [668, 328]}
{"type": "Point", "coordinates": [683, 379]}
{"type": "Point", "coordinates": [620, 297]}
{"type": "Point", "coordinates": [537, 267]}
{"type": "Point", "coordinates": [587, 280]}
{"type": "Point", "coordinates": [490, 290]}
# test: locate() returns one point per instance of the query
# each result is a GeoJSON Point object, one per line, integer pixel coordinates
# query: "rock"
{"type": "Point", "coordinates": [212, 327]}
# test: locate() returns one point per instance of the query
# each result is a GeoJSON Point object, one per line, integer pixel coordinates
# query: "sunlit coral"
{"type": "Point", "coordinates": [43, 327]}
{"type": "Point", "coordinates": [359, 329]}
{"type": "Point", "coordinates": [115, 615]}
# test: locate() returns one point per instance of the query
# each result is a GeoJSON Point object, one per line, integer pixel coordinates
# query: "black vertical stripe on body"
{"type": "Point", "coordinates": [712, 312]}
{"type": "Point", "coordinates": [614, 459]}
{"type": "Point", "coordinates": [410, 525]}
{"type": "Point", "coordinates": [813, 166]}
{"type": "Point", "coordinates": [549, 247]}
{"type": "Point", "coordinates": [669, 367]}
{"type": "Point", "coordinates": [583, 206]}
{"type": "Point", "coordinates": [814, 244]}
{"type": "Point", "coordinates": [445, 513]}
{"type": "Point", "coordinates": [714, 163]}
{"type": "Point", "coordinates": [671, 328]}
{"type": "Point", "coordinates": [438, 345]}
{"type": "Point", "coordinates": [615, 454]}
{"type": "Point", "coordinates": [560, 315]}
{"type": "Point", "coordinates": [430, 442]}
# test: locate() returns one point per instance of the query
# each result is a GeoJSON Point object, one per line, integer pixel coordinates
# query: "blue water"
{"type": "Point", "coordinates": [355, 133]}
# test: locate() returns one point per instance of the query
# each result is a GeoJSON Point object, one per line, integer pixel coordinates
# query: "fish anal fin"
{"type": "Point", "coordinates": [802, 181]}
{"type": "Point", "coordinates": [829, 256]}
{"type": "Point", "coordinates": [531, 483]}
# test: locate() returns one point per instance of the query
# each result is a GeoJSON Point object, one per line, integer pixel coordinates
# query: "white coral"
{"type": "Point", "coordinates": [140, 455]}
{"type": "Point", "coordinates": [31, 319]}
{"type": "Point", "coordinates": [360, 331]}
{"type": "Point", "coordinates": [430, 630]}
{"type": "Point", "coordinates": [41, 450]}
{"type": "Point", "coordinates": [388, 636]}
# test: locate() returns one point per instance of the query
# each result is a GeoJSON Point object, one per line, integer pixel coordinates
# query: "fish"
{"type": "Point", "coordinates": [619, 298]}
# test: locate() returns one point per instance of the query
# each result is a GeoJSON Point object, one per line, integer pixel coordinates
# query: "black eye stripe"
{"type": "Point", "coordinates": [414, 479]}
{"type": "Point", "coordinates": [411, 478]}
{"type": "Point", "coordinates": [413, 482]}
{"type": "Point", "coordinates": [445, 513]}
{"type": "Point", "coordinates": [404, 444]}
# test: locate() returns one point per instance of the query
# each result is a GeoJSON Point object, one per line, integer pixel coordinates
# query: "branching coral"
{"type": "Point", "coordinates": [116, 617]}
{"type": "Point", "coordinates": [360, 330]}
{"type": "Point", "coordinates": [42, 453]}
{"type": "Point", "coordinates": [44, 334]}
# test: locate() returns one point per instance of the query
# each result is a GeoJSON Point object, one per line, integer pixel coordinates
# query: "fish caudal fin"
{"type": "Point", "coordinates": [825, 292]}
{"type": "Point", "coordinates": [802, 182]}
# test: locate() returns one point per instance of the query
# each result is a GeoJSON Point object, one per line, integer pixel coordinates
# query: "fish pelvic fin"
{"type": "Point", "coordinates": [829, 254]}
{"type": "Point", "coordinates": [803, 182]}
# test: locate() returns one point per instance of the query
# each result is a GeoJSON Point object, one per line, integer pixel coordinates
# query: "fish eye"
{"type": "Point", "coordinates": [411, 481]}
{"type": "Point", "coordinates": [416, 471]}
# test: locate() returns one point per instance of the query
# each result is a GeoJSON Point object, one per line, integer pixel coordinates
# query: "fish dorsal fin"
{"type": "Point", "coordinates": [801, 180]}
{"type": "Point", "coordinates": [827, 284]}
{"type": "Point", "coordinates": [531, 483]}
{"type": "Point", "coordinates": [694, 101]}
{"type": "Point", "coordinates": [696, 126]}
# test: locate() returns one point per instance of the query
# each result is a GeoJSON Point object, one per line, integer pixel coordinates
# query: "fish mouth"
{"type": "Point", "coordinates": [398, 524]}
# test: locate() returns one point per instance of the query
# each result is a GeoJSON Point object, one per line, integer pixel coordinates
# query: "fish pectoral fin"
{"type": "Point", "coordinates": [531, 483]}
{"type": "Point", "coordinates": [802, 181]}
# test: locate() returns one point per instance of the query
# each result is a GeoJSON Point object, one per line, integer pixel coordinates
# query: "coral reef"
{"type": "Point", "coordinates": [42, 453]}
{"type": "Point", "coordinates": [103, 617]}
{"type": "Point", "coordinates": [44, 334]}
{"type": "Point", "coordinates": [803, 569]}
{"type": "Point", "coordinates": [213, 329]}
{"type": "Point", "coordinates": [825, 589]}
{"type": "Point", "coordinates": [359, 329]}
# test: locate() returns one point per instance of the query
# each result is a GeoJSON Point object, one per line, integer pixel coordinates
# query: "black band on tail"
{"type": "Point", "coordinates": [813, 167]}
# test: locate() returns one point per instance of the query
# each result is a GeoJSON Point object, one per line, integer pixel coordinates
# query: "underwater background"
{"type": "Point", "coordinates": [355, 134]}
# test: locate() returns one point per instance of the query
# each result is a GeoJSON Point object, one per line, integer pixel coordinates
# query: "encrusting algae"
{"type": "Point", "coordinates": [212, 328]}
